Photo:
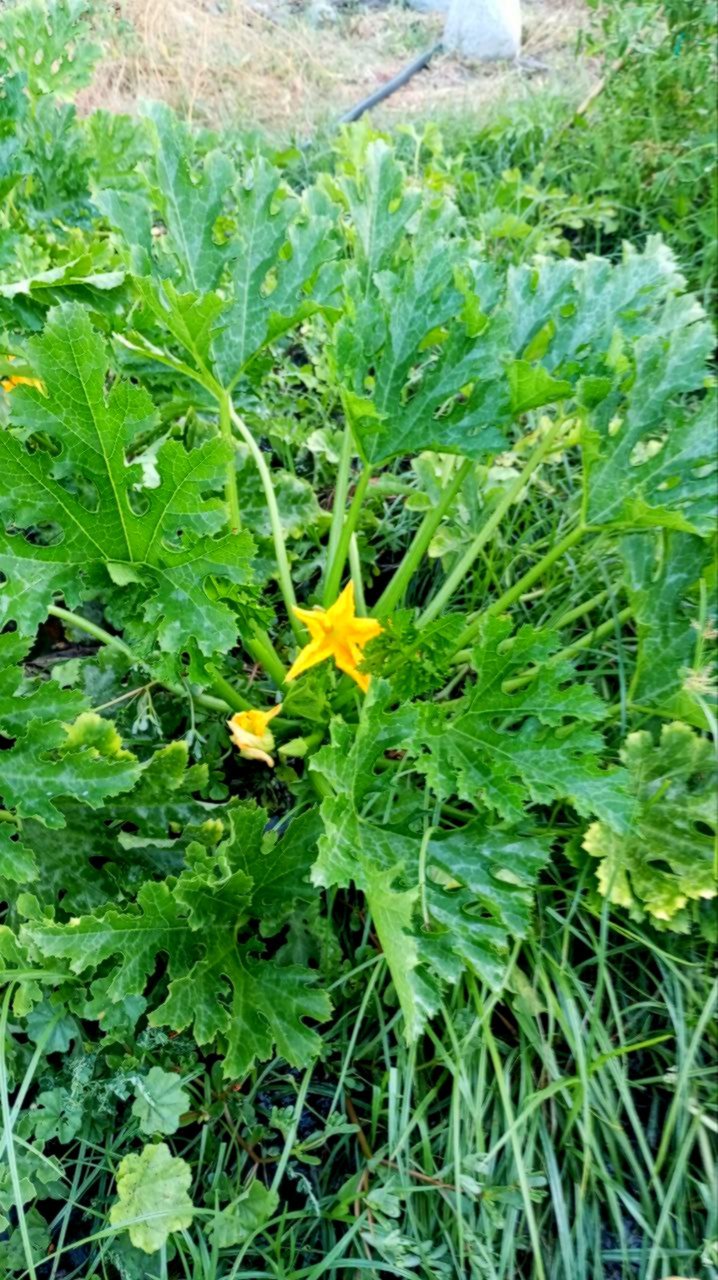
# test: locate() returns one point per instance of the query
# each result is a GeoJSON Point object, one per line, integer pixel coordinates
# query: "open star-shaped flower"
{"type": "Point", "coordinates": [336, 633]}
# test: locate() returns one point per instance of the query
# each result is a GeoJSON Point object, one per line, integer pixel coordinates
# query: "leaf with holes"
{"type": "Point", "coordinates": [105, 516]}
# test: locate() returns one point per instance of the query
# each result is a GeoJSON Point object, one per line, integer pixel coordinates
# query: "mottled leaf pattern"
{"type": "Point", "coordinates": [665, 863]}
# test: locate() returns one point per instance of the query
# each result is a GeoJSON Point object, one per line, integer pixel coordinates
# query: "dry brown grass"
{"type": "Point", "coordinates": [230, 62]}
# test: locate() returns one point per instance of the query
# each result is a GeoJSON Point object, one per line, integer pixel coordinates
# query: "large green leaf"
{"type": "Point", "coordinates": [256, 1008]}
{"type": "Point", "coordinates": [50, 44]}
{"type": "Point", "coordinates": [135, 937]}
{"type": "Point", "coordinates": [279, 869]}
{"type": "Point", "coordinates": [661, 573]}
{"type": "Point", "coordinates": [17, 862]}
{"type": "Point", "coordinates": [269, 252]}
{"type": "Point", "coordinates": [417, 368]}
{"type": "Point", "coordinates": [51, 760]}
{"type": "Point", "coordinates": [23, 700]}
{"type": "Point", "coordinates": [532, 744]}
{"type": "Point", "coordinates": [650, 458]}
{"type": "Point", "coordinates": [103, 856]}
{"type": "Point", "coordinates": [574, 312]}
{"type": "Point", "coordinates": [220, 984]}
{"type": "Point", "coordinates": [281, 269]}
{"type": "Point", "coordinates": [666, 862]}
{"type": "Point", "coordinates": [440, 900]}
{"type": "Point", "coordinates": [379, 201]}
{"type": "Point", "coordinates": [437, 351]}
{"type": "Point", "coordinates": [110, 523]}
{"type": "Point", "coordinates": [191, 196]}
{"type": "Point", "coordinates": [165, 798]}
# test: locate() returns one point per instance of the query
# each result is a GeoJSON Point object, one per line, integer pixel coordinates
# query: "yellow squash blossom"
{"type": "Point", "coordinates": [248, 731]}
{"type": "Point", "coordinates": [336, 633]}
{"type": "Point", "coordinates": [17, 380]}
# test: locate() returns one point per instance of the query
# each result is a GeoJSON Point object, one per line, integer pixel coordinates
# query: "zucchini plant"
{"type": "Point", "coordinates": [310, 516]}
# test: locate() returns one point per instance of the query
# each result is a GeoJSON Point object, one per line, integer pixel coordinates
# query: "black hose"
{"type": "Point", "coordinates": [391, 86]}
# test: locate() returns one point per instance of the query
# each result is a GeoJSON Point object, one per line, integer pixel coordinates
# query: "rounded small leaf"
{"type": "Point", "coordinates": [152, 1197]}
{"type": "Point", "coordinates": [160, 1100]}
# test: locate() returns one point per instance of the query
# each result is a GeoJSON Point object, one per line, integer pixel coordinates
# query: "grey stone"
{"type": "Point", "coordinates": [486, 30]}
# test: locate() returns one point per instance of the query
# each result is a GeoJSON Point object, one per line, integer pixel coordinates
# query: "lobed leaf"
{"type": "Point", "coordinates": [106, 517]}
{"type": "Point", "coordinates": [665, 862]}
{"type": "Point", "coordinates": [152, 1197]}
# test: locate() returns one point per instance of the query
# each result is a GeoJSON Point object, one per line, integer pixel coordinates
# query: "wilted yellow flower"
{"type": "Point", "coordinates": [336, 633]}
{"type": "Point", "coordinates": [248, 731]}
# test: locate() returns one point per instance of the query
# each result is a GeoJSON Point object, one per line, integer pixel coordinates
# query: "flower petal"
{"type": "Point", "coordinates": [316, 651]}
{"type": "Point", "coordinates": [313, 619]}
{"type": "Point", "coordinates": [255, 753]}
{"type": "Point", "coordinates": [346, 661]}
{"type": "Point", "coordinates": [364, 629]}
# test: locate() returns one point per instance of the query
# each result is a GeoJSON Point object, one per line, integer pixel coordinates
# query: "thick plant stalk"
{"type": "Point", "coordinates": [98, 633]}
{"type": "Point", "coordinates": [335, 567]}
{"type": "Point", "coordinates": [393, 592]}
{"type": "Point", "coordinates": [262, 650]}
{"type": "Point", "coordinates": [355, 570]}
{"type": "Point", "coordinates": [341, 489]}
{"type": "Point", "coordinates": [280, 551]}
{"type": "Point", "coordinates": [460, 570]}
{"type": "Point", "coordinates": [230, 486]}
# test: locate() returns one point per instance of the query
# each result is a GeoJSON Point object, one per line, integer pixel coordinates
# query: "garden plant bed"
{"type": "Point", "coordinates": [357, 707]}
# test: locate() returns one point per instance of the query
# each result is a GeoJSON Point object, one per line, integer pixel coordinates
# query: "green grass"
{"type": "Point", "coordinates": [561, 1129]}
{"type": "Point", "coordinates": [640, 160]}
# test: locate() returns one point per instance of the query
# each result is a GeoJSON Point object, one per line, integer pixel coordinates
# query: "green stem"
{"type": "Point", "coordinates": [230, 484]}
{"type": "Point", "coordinates": [335, 566]}
{"type": "Point", "coordinates": [292, 1130]}
{"type": "Point", "coordinates": [514, 593]}
{"type": "Point", "coordinates": [355, 570]}
{"type": "Point", "coordinates": [563, 655]}
{"type": "Point", "coordinates": [98, 633]}
{"type": "Point", "coordinates": [228, 694]}
{"type": "Point", "coordinates": [341, 490]}
{"type": "Point", "coordinates": [598, 633]}
{"type": "Point", "coordinates": [262, 650]}
{"type": "Point", "coordinates": [310, 740]}
{"type": "Point", "coordinates": [219, 684]}
{"type": "Point", "coordinates": [416, 551]}
{"type": "Point", "coordinates": [7, 816]}
{"type": "Point", "coordinates": [211, 704]}
{"type": "Point", "coordinates": [571, 615]}
{"type": "Point", "coordinates": [458, 574]}
{"type": "Point", "coordinates": [280, 551]}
